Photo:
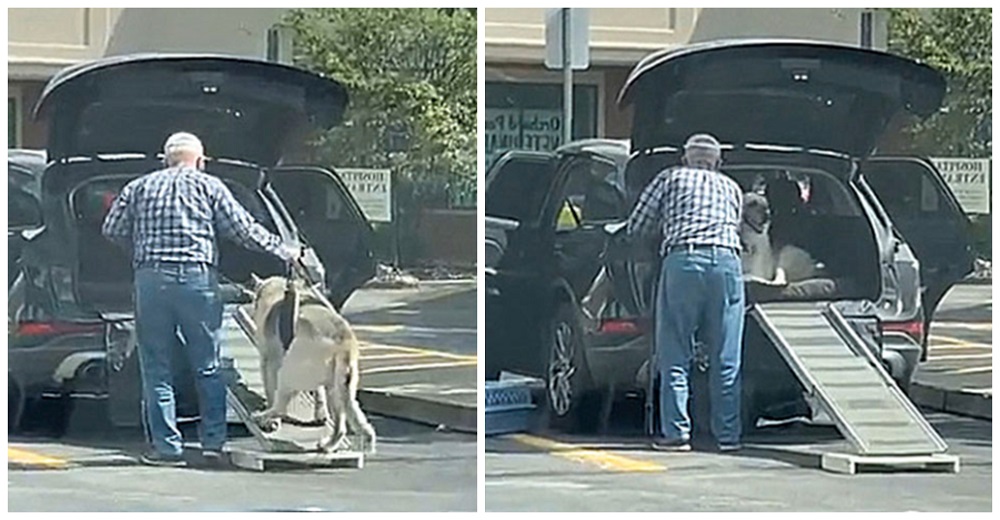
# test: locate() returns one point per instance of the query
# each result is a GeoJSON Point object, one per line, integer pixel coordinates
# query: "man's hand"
{"type": "Point", "coordinates": [292, 252]}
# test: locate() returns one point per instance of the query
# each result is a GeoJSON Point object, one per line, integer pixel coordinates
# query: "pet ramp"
{"type": "Point", "coordinates": [294, 443]}
{"type": "Point", "coordinates": [882, 426]}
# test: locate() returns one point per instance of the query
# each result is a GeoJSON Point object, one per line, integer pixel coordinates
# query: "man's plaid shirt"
{"type": "Point", "coordinates": [174, 215]}
{"type": "Point", "coordinates": [691, 206]}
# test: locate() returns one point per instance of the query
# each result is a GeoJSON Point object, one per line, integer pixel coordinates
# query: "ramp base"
{"type": "Point", "coordinates": [852, 464]}
{"type": "Point", "coordinates": [256, 460]}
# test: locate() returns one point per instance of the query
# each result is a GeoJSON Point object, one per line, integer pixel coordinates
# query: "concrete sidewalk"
{"type": "Point", "coordinates": [958, 374]}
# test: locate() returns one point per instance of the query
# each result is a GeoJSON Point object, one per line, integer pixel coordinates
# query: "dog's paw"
{"type": "Point", "coordinates": [330, 444]}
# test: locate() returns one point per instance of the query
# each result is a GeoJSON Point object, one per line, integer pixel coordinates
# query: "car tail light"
{"type": "Point", "coordinates": [913, 329]}
{"type": "Point", "coordinates": [623, 326]}
{"type": "Point", "coordinates": [55, 328]}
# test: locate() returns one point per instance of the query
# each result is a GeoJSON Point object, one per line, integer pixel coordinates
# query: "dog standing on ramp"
{"type": "Point", "coordinates": [323, 353]}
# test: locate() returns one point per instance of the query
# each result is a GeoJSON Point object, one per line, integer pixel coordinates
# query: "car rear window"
{"type": "Point", "coordinates": [518, 190]}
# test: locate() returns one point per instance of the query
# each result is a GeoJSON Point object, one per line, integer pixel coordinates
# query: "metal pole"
{"type": "Point", "coordinates": [866, 29]}
{"type": "Point", "coordinates": [567, 78]}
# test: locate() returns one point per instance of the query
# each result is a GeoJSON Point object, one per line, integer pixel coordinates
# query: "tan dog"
{"type": "Point", "coordinates": [323, 354]}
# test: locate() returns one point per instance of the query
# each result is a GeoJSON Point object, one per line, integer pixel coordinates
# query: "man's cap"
{"type": "Point", "coordinates": [703, 142]}
{"type": "Point", "coordinates": [182, 141]}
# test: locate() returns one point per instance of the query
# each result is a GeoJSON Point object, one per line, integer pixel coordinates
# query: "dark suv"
{"type": "Point", "coordinates": [569, 295]}
{"type": "Point", "coordinates": [107, 121]}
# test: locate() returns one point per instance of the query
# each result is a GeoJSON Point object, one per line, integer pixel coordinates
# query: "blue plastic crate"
{"type": "Point", "coordinates": [509, 407]}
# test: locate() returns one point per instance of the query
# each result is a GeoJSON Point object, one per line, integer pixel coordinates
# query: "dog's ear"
{"type": "Point", "coordinates": [255, 281]}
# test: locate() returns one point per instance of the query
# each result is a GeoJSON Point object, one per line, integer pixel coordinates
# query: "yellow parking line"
{"type": "Point", "coordinates": [603, 459]}
{"type": "Point", "coordinates": [384, 329]}
{"type": "Point", "coordinates": [27, 458]}
{"type": "Point", "coordinates": [416, 350]}
{"type": "Point", "coordinates": [405, 368]}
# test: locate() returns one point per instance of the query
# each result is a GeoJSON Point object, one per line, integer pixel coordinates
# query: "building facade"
{"type": "Point", "coordinates": [524, 99]}
{"type": "Point", "coordinates": [40, 42]}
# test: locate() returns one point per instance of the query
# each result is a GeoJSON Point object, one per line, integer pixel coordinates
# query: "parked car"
{"type": "Point", "coordinates": [571, 302]}
{"type": "Point", "coordinates": [107, 121]}
{"type": "Point", "coordinates": [24, 179]}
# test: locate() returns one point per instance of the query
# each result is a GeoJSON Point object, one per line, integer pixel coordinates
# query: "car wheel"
{"type": "Point", "coordinates": [569, 397]}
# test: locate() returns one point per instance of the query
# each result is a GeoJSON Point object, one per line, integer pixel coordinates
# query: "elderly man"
{"type": "Point", "coordinates": [172, 219]}
{"type": "Point", "coordinates": [700, 288]}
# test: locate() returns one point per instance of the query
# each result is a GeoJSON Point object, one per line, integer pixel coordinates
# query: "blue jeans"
{"type": "Point", "coordinates": [700, 292]}
{"type": "Point", "coordinates": [184, 298]}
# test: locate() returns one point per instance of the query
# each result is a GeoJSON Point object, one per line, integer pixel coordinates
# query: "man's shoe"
{"type": "Point", "coordinates": [730, 448]}
{"type": "Point", "coordinates": [213, 458]}
{"type": "Point", "coordinates": [671, 445]}
{"type": "Point", "coordinates": [153, 458]}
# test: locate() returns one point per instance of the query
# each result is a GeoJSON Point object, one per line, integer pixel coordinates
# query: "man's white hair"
{"type": "Point", "coordinates": [180, 144]}
{"type": "Point", "coordinates": [703, 150]}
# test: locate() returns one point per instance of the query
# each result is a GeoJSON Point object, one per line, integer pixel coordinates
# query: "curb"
{"type": "Point", "coordinates": [29, 466]}
{"type": "Point", "coordinates": [454, 416]}
{"type": "Point", "coordinates": [958, 402]}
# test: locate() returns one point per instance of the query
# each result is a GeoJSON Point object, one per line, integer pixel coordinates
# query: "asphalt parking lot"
{"type": "Point", "coordinates": [92, 474]}
{"type": "Point", "coordinates": [416, 468]}
{"type": "Point", "coordinates": [961, 342]}
{"type": "Point", "coordinates": [620, 473]}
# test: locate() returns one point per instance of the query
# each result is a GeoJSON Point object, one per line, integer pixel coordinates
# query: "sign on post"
{"type": "Point", "coordinates": [372, 189]}
{"type": "Point", "coordinates": [579, 33]}
{"type": "Point", "coordinates": [535, 129]}
{"type": "Point", "coordinates": [969, 180]}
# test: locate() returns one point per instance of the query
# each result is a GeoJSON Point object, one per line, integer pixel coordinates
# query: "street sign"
{"type": "Point", "coordinates": [579, 20]}
{"type": "Point", "coordinates": [969, 180]}
{"type": "Point", "coordinates": [372, 189]}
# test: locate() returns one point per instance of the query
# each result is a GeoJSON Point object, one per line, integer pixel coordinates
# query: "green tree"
{"type": "Point", "coordinates": [411, 75]}
{"type": "Point", "coordinates": [959, 43]}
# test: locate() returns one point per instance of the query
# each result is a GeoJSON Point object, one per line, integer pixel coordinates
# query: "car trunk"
{"type": "Point", "coordinates": [103, 270]}
{"type": "Point", "coordinates": [829, 226]}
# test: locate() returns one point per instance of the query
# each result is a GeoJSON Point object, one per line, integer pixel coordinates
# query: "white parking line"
{"type": "Point", "coordinates": [959, 357]}
{"type": "Point", "coordinates": [971, 370]}
{"type": "Point", "coordinates": [935, 348]}
{"type": "Point", "coordinates": [962, 325]}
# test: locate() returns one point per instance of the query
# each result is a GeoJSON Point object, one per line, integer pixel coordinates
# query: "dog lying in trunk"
{"type": "Point", "coordinates": [777, 271]}
{"type": "Point", "coordinates": [322, 353]}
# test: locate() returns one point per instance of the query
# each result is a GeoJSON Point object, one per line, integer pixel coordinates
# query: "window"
{"type": "Point", "coordinates": [13, 122]}
{"type": "Point", "coordinates": [905, 189]}
{"type": "Point", "coordinates": [528, 116]}
{"type": "Point", "coordinates": [588, 196]}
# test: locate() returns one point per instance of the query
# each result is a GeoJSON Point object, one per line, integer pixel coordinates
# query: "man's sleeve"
{"type": "Point", "coordinates": [234, 222]}
{"type": "Point", "coordinates": [646, 214]}
{"type": "Point", "coordinates": [117, 225]}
